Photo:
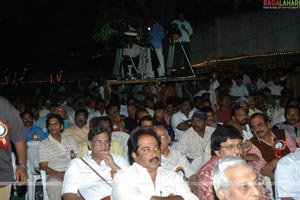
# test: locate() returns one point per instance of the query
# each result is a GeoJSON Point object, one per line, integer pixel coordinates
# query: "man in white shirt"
{"type": "Point", "coordinates": [239, 90]}
{"type": "Point", "coordinates": [145, 179]}
{"type": "Point", "coordinates": [193, 143]}
{"type": "Point", "coordinates": [186, 31]}
{"type": "Point", "coordinates": [81, 180]}
{"type": "Point", "coordinates": [172, 159]}
{"type": "Point", "coordinates": [181, 120]}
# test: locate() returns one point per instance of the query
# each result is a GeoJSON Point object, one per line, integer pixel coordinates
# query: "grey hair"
{"type": "Point", "coordinates": [220, 179]}
{"type": "Point", "coordinates": [162, 127]}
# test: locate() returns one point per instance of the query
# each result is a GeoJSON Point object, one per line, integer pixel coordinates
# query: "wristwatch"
{"type": "Point", "coordinates": [22, 165]}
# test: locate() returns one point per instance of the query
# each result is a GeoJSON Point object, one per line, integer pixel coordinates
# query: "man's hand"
{"type": "Point", "coordinates": [109, 161]}
{"type": "Point", "coordinates": [21, 175]}
{"type": "Point", "coordinates": [60, 175]}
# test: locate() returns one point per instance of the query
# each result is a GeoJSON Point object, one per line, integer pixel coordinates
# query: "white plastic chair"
{"type": "Point", "coordinates": [44, 183]}
{"type": "Point", "coordinates": [123, 137]}
{"type": "Point", "coordinates": [33, 175]}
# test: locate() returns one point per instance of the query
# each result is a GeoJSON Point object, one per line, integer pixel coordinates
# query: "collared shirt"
{"type": "Point", "coordinates": [80, 177]}
{"type": "Point", "coordinates": [192, 145]}
{"type": "Point", "coordinates": [260, 162]}
{"type": "Point", "coordinates": [176, 160]}
{"type": "Point", "coordinates": [58, 155]}
{"type": "Point", "coordinates": [135, 182]}
{"type": "Point", "coordinates": [287, 176]}
{"type": "Point", "coordinates": [79, 134]}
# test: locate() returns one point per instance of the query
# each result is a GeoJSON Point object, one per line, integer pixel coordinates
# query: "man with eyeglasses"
{"type": "Point", "coordinates": [54, 154]}
{"type": "Point", "coordinates": [225, 141]}
{"type": "Point", "coordinates": [145, 179]}
{"type": "Point", "coordinates": [269, 145]}
{"type": "Point", "coordinates": [172, 159]}
{"type": "Point", "coordinates": [81, 177]}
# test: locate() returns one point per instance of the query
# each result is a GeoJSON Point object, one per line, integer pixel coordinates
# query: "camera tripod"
{"type": "Point", "coordinates": [171, 56]}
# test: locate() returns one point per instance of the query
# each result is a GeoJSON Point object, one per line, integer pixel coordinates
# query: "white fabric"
{"type": "Point", "coordinates": [160, 57]}
{"type": "Point", "coordinates": [185, 36]}
{"type": "Point", "coordinates": [80, 177]}
{"type": "Point", "coordinates": [278, 116]}
{"type": "Point", "coordinates": [247, 135]}
{"type": "Point", "coordinates": [276, 89]}
{"type": "Point", "coordinates": [135, 183]}
{"type": "Point", "coordinates": [287, 176]}
{"type": "Point", "coordinates": [239, 91]}
{"type": "Point", "coordinates": [192, 145]}
{"type": "Point", "coordinates": [176, 160]}
{"type": "Point", "coordinates": [176, 119]}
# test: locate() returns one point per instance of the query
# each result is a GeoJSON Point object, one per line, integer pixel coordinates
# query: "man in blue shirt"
{"type": "Point", "coordinates": [33, 133]}
{"type": "Point", "coordinates": [157, 34]}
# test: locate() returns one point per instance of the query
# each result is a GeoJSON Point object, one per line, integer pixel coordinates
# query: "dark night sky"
{"type": "Point", "coordinates": [44, 34]}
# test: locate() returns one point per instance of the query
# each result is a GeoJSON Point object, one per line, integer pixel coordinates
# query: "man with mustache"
{"type": "Point", "coordinates": [81, 178]}
{"type": "Point", "coordinates": [268, 145]}
{"type": "Point", "coordinates": [292, 123]}
{"type": "Point", "coordinates": [80, 129]}
{"type": "Point", "coordinates": [193, 143]}
{"type": "Point", "coordinates": [34, 133]}
{"type": "Point", "coordinates": [240, 114]}
{"type": "Point", "coordinates": [145, 179]}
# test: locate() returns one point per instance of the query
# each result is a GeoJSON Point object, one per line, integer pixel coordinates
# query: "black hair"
{"type": "Point", "coordinates": [95, 121]}
{"type": "Point", "coordinates": [291, 107]}
{"type": "Point", "coordinates": [113, 104]}
{"type": "Point", "coordinates": [207, 109]}
{"type": "Point", "coordinates": [184, 99]}
{"type": "Point", "coordinates": [56, 116]}
{"type": "Point", "coordinates": [221, 134]}
{"type": "Point", "coordinates": [134, 139]}
{"type": "Point", "coordinates": [265, 117]}
{"type": "Point", "coordinates": [97, 130]}
{"type": "Point", "coordinates": [26, 112]}
{"type": "Point", "coordinates": [145, 118]}
{"type": "Point", "coordinates": [84, 111]}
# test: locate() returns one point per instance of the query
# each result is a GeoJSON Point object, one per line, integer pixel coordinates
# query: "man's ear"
{"type": "Point", "coordinates": [134, 156]}
{"type": "Point", "coordinates": [217, 153]}
{"type": "Point", "coordinates": [89, 144]}
{"type": "Point", "coordinates": [221, 195]}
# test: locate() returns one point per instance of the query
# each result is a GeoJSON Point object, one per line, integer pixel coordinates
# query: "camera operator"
{"type": "Point", "coordinates": [131, 53]}
{"type": "Point", "coordinates": [157, 34]}
{"type": "Point", "coordinates": [185, 32]}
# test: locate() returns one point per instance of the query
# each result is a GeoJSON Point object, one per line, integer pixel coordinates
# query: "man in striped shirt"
{"type": "Point", "coordinates": [54, 154]}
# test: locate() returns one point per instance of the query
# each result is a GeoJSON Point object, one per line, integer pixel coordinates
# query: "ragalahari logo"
{"type": "Point", "coordinates": [281, 4]}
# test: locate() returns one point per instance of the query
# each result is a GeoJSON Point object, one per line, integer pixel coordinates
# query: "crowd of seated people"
{"type": "Point", "coordinates": [259, 127]}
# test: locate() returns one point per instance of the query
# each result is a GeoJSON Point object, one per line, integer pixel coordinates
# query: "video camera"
{"type": "Point", "coordinates": [174, 32]}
